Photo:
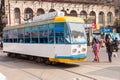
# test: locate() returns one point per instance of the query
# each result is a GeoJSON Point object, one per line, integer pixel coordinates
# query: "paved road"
{"type": "Point", "coordinates": [20, 69]}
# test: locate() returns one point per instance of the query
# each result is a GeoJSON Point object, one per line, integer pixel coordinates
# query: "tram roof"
{"type": "Point", "coordinates": [55, 20]}
{"type": "Point", "coordinates": [68, 19]}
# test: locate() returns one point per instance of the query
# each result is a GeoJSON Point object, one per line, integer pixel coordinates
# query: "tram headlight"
{"type": "Point", "coordinates": [83, 49]}
{"type": "Point", "coordinates": [74, 50]}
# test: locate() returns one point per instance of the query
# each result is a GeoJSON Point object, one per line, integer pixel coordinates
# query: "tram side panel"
{"type": "Point", "coordinates": [55, 53]}
{"type": "Point", "coordinates": [62, 50]}
{"type": "Point", "coordinates": [42, 50]}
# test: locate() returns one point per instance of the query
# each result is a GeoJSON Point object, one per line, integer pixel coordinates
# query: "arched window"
{"type": "Point", "coordinates": [64, 12]}
{"type": "Point", "coordinates": [51, 10]}
{"type": "Point", "coordinates": [73, 13]}
{"type": "Point", "coordinates": [40, 11]}
{"type": "Point", "coordinates": [83, 14]}
{"type": "Point", "coordinates": [93, 17]}
{"type": "Point", "coordinates": [28, 13]}
{"type": "Point", "coordinates": [17, 15]}
{"type": "Point", "coordinates": [101, 18]}
{"type": "Point", "coordinates": [109, 17]}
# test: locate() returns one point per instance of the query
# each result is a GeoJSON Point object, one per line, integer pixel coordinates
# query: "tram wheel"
{"type": "Point", "coordinates": [48, 62]}
{"type": "Point", "coordinates": [31, 58]}
{"type": "Point", "coordinates": [9, 54]}
{"type": "Point", "coordinates": [18, 56]}
{"type": "Point", "coordinates": [39, 60]}
{"type": "Point", "coordinates": [13, 55]}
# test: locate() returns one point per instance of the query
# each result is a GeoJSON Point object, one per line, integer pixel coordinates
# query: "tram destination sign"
{"type": "Point", "coordinates": [48, 16]}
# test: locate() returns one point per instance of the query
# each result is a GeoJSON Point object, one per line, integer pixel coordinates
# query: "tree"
{"type": "Point", "coordinates": [2, 12]}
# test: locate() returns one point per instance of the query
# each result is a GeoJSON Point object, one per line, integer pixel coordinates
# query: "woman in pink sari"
{"type": "Point", "coordinates": [96, 49]}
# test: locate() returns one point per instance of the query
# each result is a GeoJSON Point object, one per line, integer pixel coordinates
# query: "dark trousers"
{"type": "Point", "coordinates": [110, 56]}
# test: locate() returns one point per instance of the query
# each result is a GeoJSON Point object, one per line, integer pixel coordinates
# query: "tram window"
{"type": "Point", "coordinates": [60, 40]}
{"type": "Point", "coordinates": [4, 40]}
{"type": "Point", "coordinates": [59, 25]}
{"type": "Point", "coordinates": [20, 40]}
{"type": "Point", "coordinates": [43, 27]}
{"type": "Point", "coordinates": [10, 36]}
{"type": "Point", "coordinates": [27, 34]}
{"type": "Point", "coordinates": [34, 37]}
{"type": "Point", "coordinates": [34, 40]}
{"type": "Point", "coordinates": [51, 36]}
{"type": "Point", "coordinates": [15, 40]}
{"type": "Point", "coordinates": [43, 40]}
{"type": "Point", "coordinates": [51, 25]}
{"type": "Point", "coordinates": [59, 33]}
{"type": "Point", "coordinates": [10, 40]}
{"type": "Point", "coordinates": [27, 40]}
{"type": "Point", "coordinates": [5, 36]}
{"type": "Point", "coordinates": [43, 33]}
{"type": "Point", "coordinates": [14, 36]}
{"type": "Point", "coordinates": [51, 40]}
{"type": "Point", "coordinates": [7, 40]}
{"type": "Point", "coordinates": [21, 35]}
{"type": "Point", "coordinates": [27, 37]}
{"type": "Point", "coordinates": [67, 37]}
{"type": "Point", "coordinates": [44, 36]}
{"type": "Point", "coordinates": [34, 28]}
{"type": "Point", "coordinates": [51, 33]}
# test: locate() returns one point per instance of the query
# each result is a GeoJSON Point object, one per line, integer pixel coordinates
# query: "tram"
{"type": "Point", "coordinates": [51, 37]}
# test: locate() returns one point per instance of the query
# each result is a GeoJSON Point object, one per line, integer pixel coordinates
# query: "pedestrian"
{"type": "Point", "coordinates": [106, 37]}
{"type": "Point", "coordinates": [1, 44]}
{"type": "Point", "coordinates": [93, 50]}
{"type": "Point", "coordinates": [102, 43]}
{"type": "Point", "coordinates": [109, 48]}
{"type": "Point", "coordinates": [96, 49]}
{"type": "Point", "coordinates": [115, 44]}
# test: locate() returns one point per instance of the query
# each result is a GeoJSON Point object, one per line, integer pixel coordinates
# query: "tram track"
{"type": "Point", "coordinates": [22, 70]}
{"type": "Point", "coordinates": [39, 77]}
{"type": "Point", "coordinates": [80, 74]}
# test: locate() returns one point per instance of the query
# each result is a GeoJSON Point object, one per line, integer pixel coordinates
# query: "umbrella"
{"type": "Point", "coordinates": [96, 37]}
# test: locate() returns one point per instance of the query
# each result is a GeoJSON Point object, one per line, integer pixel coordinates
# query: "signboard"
{"type": "Point", "coordinates": [88, 25]}
{"type": "Point", "coordinates": [48, 16]}
{"type": "Point", "coordinates": [94, 26]}
{"type": "Point", "coordinates": [106, 30]}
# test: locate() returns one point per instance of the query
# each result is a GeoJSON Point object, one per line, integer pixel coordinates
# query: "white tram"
{"type": "Point", "coordinates": [59, 39]}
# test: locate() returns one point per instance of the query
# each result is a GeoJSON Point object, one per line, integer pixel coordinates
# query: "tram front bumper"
{"type": "Point", "coordinates": [69, 59]}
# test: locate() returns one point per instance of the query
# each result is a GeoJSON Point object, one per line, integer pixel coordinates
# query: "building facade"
{"type": "Point", "coordinates": [92, 11]}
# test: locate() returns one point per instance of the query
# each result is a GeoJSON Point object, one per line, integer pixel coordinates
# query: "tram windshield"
{"type": "Point", "coordinates": [77, 32]}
